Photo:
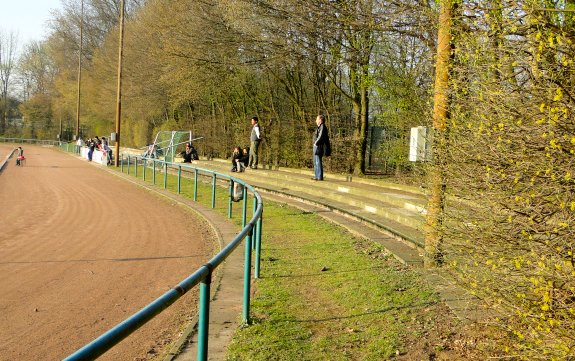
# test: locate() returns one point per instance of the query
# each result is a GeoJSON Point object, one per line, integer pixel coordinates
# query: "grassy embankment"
{"type": "Point", "coordinates": [326, 295]}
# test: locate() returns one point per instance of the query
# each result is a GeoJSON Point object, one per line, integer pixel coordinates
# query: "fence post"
{"type": "Point", "coordinates": [254, 208]}
{"type": "Point", "coordinates": [195, 184]}
{"type": "Point", "coordinates": [245, 207]}
{"type": "Point", "coordinates": [258, 245]}
{"type": "Point", "coordinates": [179, 179]}
{"type": "Point", "coordinates": [154, 172]}
{"type": "Point", "coordinates": [165, 175]}
{"type": "Point", "coordinates": [231, 198]}
{"type": "Point", "coordinates": [204, 318]}
{"type": "Point", "coordinates": [214, 190]}
{"type": "Point", "coordinates": [247, 278]}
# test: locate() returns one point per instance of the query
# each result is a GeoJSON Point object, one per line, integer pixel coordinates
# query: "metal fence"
{"type": "Point", "coordinates": [3, 162]}
{"type": "Point", "coordinates": [251, 233]}
{"type": "Point", "coordinates": [29, 141]}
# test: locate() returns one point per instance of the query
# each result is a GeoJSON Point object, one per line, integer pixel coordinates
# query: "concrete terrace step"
{"type": "Point", "coordinates": [412, 235]}
{"type": "Point", "coordinates": [397, 209]}
{"type": "Point", "coordinates": [367, 207]}
{"type": "Point", "coordinates": [406, 197]}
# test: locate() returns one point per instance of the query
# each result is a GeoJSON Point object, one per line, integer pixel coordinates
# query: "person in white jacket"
{"type": "Point", "coordinates": [255, 139]}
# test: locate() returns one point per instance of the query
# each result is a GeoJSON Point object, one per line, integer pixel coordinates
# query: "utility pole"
{"type": "Point", "coordinates": [119, 98]}
{"type": "Point", "coordinates": [79, 71]}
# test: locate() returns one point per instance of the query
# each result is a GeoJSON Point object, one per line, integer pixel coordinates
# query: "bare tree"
{"type": "Point", "coordinates": [8, 48]}
{"type": "Point", "coordinates": [36, 70]}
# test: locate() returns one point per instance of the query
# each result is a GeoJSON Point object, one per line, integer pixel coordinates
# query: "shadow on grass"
{"type": "Point", "coordinates": [326, 272]}
{"type": "Point", "coordinates": [347, 317]}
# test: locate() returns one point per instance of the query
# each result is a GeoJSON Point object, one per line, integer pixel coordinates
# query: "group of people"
{"type": "Point", "coordinates": [100, 144]}
{"type": "Point", "coordinates": [240, 159]}
{"type": "Point", "coordinates": [245, 158]}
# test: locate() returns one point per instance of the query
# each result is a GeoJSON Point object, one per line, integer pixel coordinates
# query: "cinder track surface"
{"type": "Point", "coordinates": [81, 250]}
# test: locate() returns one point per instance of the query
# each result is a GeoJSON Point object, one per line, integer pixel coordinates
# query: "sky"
{"type": "Point", "coordinates": [28, 18]}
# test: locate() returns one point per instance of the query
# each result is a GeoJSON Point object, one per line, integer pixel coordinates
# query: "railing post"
{"type": "Point", "coordinates": [136, 166]}
{"type": "Point", "coordinates": [214, 190]}
{"type": "Point", "coordinates": [154, 172]}
{"type": "Point", "coordinates": [254, 208]}
{"type": "Point", "coordinates": [179, 179]}
{"type": "Point", "coordinates": [144, 167]}
{"type": "Point", "coordinates": [245, 207]}
{"type": "Point", "coordinates": [204, 318]}
{"type": "Point", "coordinates": [165, 175]}
{"type": "Point", "coordinates": [247, 278]}
{"type": "Point", "coordinates": [231, 198]}
{"type": "Point", "coordinates": [258, 242]}
{"type": "Point", "coordinates": [195, 184]}
{"type": "Point", "coordinates": [122, 164]}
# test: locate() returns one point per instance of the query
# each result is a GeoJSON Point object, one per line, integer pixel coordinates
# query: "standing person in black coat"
{"type": "Point", "coordinates": [321, 147]}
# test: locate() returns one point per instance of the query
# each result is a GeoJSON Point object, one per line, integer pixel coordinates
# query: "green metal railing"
{"type": "Point", "coordinates": [251, 233]}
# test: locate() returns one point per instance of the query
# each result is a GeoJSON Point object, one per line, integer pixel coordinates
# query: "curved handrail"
{"type": "Point", "coordinates": [201, 276]}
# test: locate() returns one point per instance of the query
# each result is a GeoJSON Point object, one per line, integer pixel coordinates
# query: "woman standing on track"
{"type": "Point", "coordinates": [19, 156]}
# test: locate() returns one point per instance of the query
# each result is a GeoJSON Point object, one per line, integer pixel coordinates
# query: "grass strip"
{"type": "Point", "coordinates": [325, 295]}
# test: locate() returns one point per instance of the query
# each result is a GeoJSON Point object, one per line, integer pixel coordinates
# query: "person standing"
{"type": "Point", "coordinates": [91, 147]}
{"type": "Point", "coordinates": [255, 139]}
{"type": "Point", "coordinates": [321, 147]}
{"type": "Point", "coordinates": [79, 144]}
{"type": "Point", "coordinates": [107, 150]}
{"type": "Point", "coordinates": [19, 156]}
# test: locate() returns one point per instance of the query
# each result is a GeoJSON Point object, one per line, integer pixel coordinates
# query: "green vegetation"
{"type": "Point", "coordinates": [510, 155]}
{"type": "Point", "coordinates": [502, 204]}
{"type": "Point", "coordinates": [324, 294]}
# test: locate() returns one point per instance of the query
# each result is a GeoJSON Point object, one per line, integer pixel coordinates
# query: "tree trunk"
{"type": "Point", "coordinates": [433, 240]}
{"type": "Point", "coordinates": [361, 131]}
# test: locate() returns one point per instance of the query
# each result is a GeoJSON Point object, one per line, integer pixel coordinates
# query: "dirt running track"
{"type": "Point", "coordinates": [81, 249]}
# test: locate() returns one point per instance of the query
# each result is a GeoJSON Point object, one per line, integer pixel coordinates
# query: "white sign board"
{"type": "Point", "coordinates": [420, 144]}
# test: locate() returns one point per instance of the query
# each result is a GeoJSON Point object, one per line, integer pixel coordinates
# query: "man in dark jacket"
{"type": "Point", "coordinates": [320, 147]}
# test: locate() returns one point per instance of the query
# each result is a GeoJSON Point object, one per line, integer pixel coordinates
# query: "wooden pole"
{"type": "Point", "coordinates": [119, 97]}
{"type": "Point", "coordinates": [79, 72]}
